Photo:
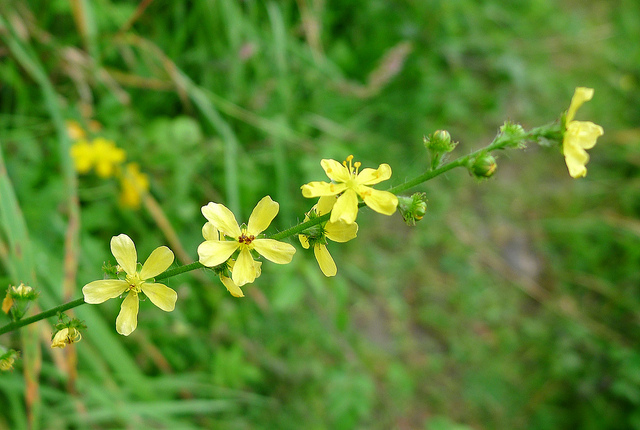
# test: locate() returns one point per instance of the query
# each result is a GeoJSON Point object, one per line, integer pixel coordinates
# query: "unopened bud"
{"type": "Point", "coordinates": [439, 142]}
{"type": "Point", "coordinates": [412, 208]}
{"type": "Point", "coordinates": [484, 166]}
{"type": "Point", "coordinates": [17, 300]}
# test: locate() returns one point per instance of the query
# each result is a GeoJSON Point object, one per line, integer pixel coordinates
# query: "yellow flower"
{"type": "Point", "coordinates": [209, 232]}
{"type": "Point", "coordinates": [66, 336]}
{"type": "Point", "coordinates": [83, 156]}
{"type": "Point", "coordinates": [214, 252]}
{"type": "Point", "coordinates": [317, 235]}
{"type": "Point", "coordinates": [579, 135]}
{"type": "Point", "coordinates": [352, 184]}
{"type": "Point", "coordinates": [135, 282]}
{"type": "Point", "coordinates": [134, 184]}
{"type": "Point", "coordinates": [106, 156]}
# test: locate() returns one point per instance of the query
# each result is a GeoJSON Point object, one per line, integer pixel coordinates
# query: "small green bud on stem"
{"type": "Point", "coordinates": [412, 208]}
{"type": "Point", "coordinates": [484, 166]}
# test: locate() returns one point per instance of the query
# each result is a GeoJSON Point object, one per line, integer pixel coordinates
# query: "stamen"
{"type": "Point", "coordinates": [350, 166]}
{"type": "Point", "coordinates": [357, 165]}
{"type": "Point", "coordinates": [246, 239]}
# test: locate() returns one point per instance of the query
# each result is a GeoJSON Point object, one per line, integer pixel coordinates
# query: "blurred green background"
{"type": "Point", "coordinates": [514, 304]}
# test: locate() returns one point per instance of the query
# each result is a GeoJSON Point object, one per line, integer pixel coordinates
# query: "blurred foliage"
{"type": "Point", "coordinates": [514, 303]}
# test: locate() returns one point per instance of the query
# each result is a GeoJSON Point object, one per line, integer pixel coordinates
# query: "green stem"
{"type": "Point", "coordinates": [42, 315]}
{"type": "Point", "coordinates": [179, 270]}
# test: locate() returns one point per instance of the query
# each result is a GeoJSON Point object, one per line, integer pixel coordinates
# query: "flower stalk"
{"type": "Point", "coordinates": [507, 138]}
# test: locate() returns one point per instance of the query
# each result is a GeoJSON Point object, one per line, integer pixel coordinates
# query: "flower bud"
{"type": "Point", "coordinates": [17, 300]}
{"type": "Point", "coordinates": [484, 166]}
{"type": "Point", "coordinates": [412, 208]}
{"type": "Point", "coordinates": [65, 336]}
{"type": "Point", "coordinates": [439, 142]}
{"type": "Point", "coordinates": [67, 331]}
{"type": "Point", "coordinates": [7, 358]}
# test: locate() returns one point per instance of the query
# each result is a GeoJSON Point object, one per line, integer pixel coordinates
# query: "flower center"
{"type": "Point", "coordinates": [246, 239]}
{"type": "Point", "coordinates": [134, 282]}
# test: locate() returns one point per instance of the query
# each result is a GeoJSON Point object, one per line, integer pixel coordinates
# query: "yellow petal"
{"type": "Point", "coordinates": [273, 250]}
{"type": "Point", "coordinates": [103, 290]}
{"type": "Point", "coordinates": [212, 253]}
{"type": "Point", "coordinates": [60, 338]}
{"type": "Point", "coordinates": [576, 159]}
{"type": "Point", "coordinates": [341, 231]}
{"type": "Point", "coordinates": [127, 320]}
{"type": "Point", "coordinates": [262, 215]}
{"type": "Point", "coordinates": [371, 176]}
{"type": "Point", "coordinates": [317, 189]}
{"type": "Point", "coordinates": [326, 263]}
{"type": "Point", "coordinates": [160, 295]}
{"type": "Point", "coordinates": [222, 219]}
{"type": "Point", "coordinates": [159, 261]}
{"type": "Point", "coordinates": [382, 202]}
{"type": "Point", "coordinates": [82, 154]}
{"type": "Point", "coordinates": [580, 96]}
{"type": "Point", "coordinates": [346, 207]}
{"type": "Point", "coordinates": [210, 232]}
{"type": "Point", "coordinates": [583, 133]}
{"type": "Point", "coordinates": [258, 266]}
{"type": "Point", "coordinates": [244, 271]}
{"type": "Point", "coordinates": [325, 204]}
{"type": "Point", "coordinates": [335, 171]}
{"type": "Point", "coordinates": [304, 241]}
{"type": "Point", "coordinates": [124, 250]}
{"type": "Point", "coordinates": [231, 287]}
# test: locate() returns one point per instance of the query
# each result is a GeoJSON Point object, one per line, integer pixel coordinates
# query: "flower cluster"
{"type": "Point", "coordinates": [107, 160]}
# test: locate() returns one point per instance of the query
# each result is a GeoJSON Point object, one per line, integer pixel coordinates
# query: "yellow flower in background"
{"type": "Point", "coordinates": [244, 239]}
{"type": "Point", "coordinates": [106, 156]}
{"type": "Point", "coordinates": [351, 183]}
{"type": "Point", "coordinates": [579, 135]}
{"type": "Point", "coordinates": [83, 156]}
{"type": "Point", "coordinates": [134, 183]}
{"type": "Point", "coordinates": [75, 130]}
{"type": "Point", "coordinates": [209, 232]}
{"type": "Point", "coordinates": [66, 336]}
{"type": "Point", "coordinates": [101, 154]}
{"type": "Point", "coordinates": [317, 235]}
{"type": "Point", "coordinates": [135, 282]}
